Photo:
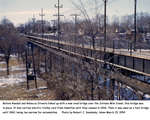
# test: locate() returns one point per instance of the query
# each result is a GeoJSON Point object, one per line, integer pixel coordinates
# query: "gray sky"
{"type": "Point", "coordinates": [20, 11]}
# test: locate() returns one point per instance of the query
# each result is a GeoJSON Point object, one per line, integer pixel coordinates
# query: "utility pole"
{"type": "Point", "coordinates": [105, 6]}
{"type": "Point", "coordinates": [54, 25]}
{"type": "Point", "coordinates": [135, 32]}
{"type": "Point", "coordinates": [75, 18]}
{"type": "Point", "coordinates": [33, 19]}
{"type": "Point", "coordinates": [54, 22]}
{"type": "Point", "coordinates": [58, 6]}
{"type": "Point", "coordinates": [42, 15]}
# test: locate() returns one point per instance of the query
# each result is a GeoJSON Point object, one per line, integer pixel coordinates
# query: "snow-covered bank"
{"type": "Point", "coordinates": [12, 56]}
{"type": "Point", "coordinates": [12, 79]}
{"type": "Point", "coordinates": [17, 73]}
{"type": "Point", "coordinates": [14, 68]}
{"type": "Point", "coordinates": [2, 62]}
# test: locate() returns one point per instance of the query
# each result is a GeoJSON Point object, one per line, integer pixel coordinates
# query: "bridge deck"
{"type": "Point", "coordinates": [139, 53]}
{"type": "Point", "coordinates": [77, 54]}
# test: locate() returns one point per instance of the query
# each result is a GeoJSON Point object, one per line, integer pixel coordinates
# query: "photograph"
{"type": "Point", "coordinates": [93, 50]}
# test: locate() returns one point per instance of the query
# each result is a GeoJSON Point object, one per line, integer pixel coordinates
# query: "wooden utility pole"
{"type": "Point", "coordinates": [54, 22]}
{"type": "Point", "coordinates": [42, 15]}
{"type": "Point", "coordinates": [58, 6]}
{"type": "Point", "coordinates": [135, 32]}
{"type": "Point", "coordinates": [105, 6]}
{"type": "Point", "coordinates": [33, 19]}
{"type": "Point", "coordinates": [75, 18]}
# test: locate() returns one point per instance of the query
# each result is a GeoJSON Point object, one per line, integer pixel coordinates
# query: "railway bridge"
{"type": "Point", "coordinates": [126, 70]}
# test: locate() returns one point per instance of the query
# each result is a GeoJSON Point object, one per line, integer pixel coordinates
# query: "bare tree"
{"type": "Point", "coordinates": [91, 22]}
{"type": "Point", "coordinates": [7, 40]}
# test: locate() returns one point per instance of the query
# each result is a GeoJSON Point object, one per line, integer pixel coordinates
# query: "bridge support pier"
{"type": "Point", "coordinates": [62, 65]}
{"type": "Point", "coordinates": [119, 91]}
{"type": "Point", "coordinates": [39, 58]}
{"type": "Point", "coordinates": [118, 59]}
{"type": "Point", "coordinates": [50, 62]}
{"type": "Point", "coordinates": [27, 65]}
{"type": "Point", "coordinates": [33, 60]}
{"type": "Point", "coordinates": [112, 88]}
{"type": "Point", "coordinates": [133, 63]}
{"type": "Point", "coordinates": [30, 72]}
{"type": "Point", "coordinates": [91, 53]}
{"type": "Point", "coordinates": [125, 61]}
{"type": "Point", "coordinates": [92, 88]}
{"type": "Point", "coordinates": [143, 65]}
{"type": "Point", "coordinates": [45, 61]}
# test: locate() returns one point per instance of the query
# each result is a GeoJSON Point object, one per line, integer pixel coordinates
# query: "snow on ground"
{"type": "Point", "coordinates": [14, 68]}
{"type": "Point", "coordinates": [2, 62]}
{"type": "Point", "coordinates": [13, 56]}
{"type": "Point", "coordinates": [12, 79]}
{"type": "Point", "coordinates": [147, 97]}
{"type": "Point", "coordinates": [1, 55]}
{"type": "Point", "coordinates": [19, 67]}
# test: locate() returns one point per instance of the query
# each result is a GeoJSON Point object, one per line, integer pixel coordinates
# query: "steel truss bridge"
{"type": "Point", "coordinates": [128, 65]}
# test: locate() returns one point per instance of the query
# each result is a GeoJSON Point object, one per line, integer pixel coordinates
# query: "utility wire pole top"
{"type": "Point", "coordinates": [75, 18]}
{"type": "Point", "coordinates": [58, 5]}
{"type": "Point", "coordinates": [42, 14]}
{"type": "Point", "coordinates": [75, 15]}
{"type": "Point", "coordinates": [33, 18]}
{"type": "Point", "coordinates": [57, 15]}
{"type": "Point", "coordinates": [76, 31]}
{"type": "Point", "coordinates": [105, 0]}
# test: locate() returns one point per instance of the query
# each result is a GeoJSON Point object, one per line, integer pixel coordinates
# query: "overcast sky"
{"type": "Point", "coordinates": [20, 11]}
